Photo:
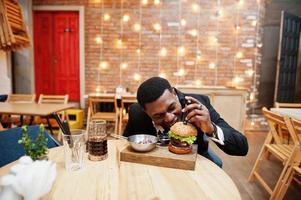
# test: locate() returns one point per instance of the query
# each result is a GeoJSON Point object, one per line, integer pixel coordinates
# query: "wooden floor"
{"type": "Point", "coordinates": [238, 168]}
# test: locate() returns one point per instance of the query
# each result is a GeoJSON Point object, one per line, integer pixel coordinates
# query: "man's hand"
{"type": "Point", "coordinates": [198, 115]}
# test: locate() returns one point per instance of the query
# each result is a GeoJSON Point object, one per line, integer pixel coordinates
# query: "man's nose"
{"type": "Point", "coordinates": [168, 118]}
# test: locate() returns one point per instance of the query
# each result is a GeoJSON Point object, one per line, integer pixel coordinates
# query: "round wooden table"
{"type": "Point", "coordinates": [112, 179]}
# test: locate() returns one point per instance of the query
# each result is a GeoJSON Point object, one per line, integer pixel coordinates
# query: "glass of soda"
{"type": "Point", "coordinates": [97, 140]}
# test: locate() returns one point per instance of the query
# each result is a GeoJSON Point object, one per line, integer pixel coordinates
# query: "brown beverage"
{"type": "Point", "coordinates": [97, 148]}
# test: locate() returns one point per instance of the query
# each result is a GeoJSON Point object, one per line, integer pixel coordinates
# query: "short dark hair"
{"type": "Point", "coordinates": [151, 89]}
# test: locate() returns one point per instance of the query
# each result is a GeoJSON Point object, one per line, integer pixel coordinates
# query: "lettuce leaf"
{"type": "Point", "coordinates": [189, 140]}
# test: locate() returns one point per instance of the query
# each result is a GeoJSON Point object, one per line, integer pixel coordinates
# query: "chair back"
{"type": "Point", "coordinates": [106, 104]}
{"type": "Point", "coordinates": [276, 124]}
{"type": "Point", "coordinates": [21, 98]}
{"type": "Point", "coordinates": [126, 101]}
{"type": "Point", "coordinates": [53, 99]}
{"type": "Point", "coordinates": [11, 150]}
{"type": "Point", "coordinates": [294, 126]}
{"type": "Point", "coordinates": [287, 105]}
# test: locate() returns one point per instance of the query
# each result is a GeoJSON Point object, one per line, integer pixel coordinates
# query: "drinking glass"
{"type": "Point", "coordinates": [97, 140]}
{"type": "Point", "coordinates": [74, 150]}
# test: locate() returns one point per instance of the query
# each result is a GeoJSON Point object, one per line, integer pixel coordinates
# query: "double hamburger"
{"type": "Point", "coordinates": [182, 136]}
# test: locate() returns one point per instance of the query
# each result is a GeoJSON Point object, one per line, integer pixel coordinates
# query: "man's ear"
{"type": "Point", "coordinates": [173, 91]}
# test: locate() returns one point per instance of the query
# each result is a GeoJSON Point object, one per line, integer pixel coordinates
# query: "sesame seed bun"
{"type": "Point", "coordinates": [184, 130]}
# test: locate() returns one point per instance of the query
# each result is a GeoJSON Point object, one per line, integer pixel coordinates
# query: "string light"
{"type": "Point", "coordinates": [181, 51]}
{"type": "Point", "coordinates": [103, 65]}
{"type": "Point", "coordinates": [163, 52]}
{"type": "Point", "coordinates": [198, 82]}
{"type": "Point", "coordinates": [137, 27]}
{"type": "Point", "coordinates": [125, 18]}
{"type": "Point", "coordinates": [253, 23]}
{"type": "Point", "coordinates": [137, 77]}
{"type": "Point", "coordinates": [157, 2]}
{"type": "Point", "coordinates": [106, 17]}
{"type": "Point", "coordinates": [144, 2]}
{"type": "Point", "coordinates": [98, 40]}
{"type": "Point", "coordinates": [157, 27]}
{"type": "Point", "coordinates": [239, 54]}
{"type": "Point", "coordinates": [193, 32]}
{"type": "Point", "coordinates": [183, 22]}
{"type": "Point", "coordinates": [124, 65]}
{"type": "Point", "coordinates": [212, 65]}
{"type": "Point", "coordinates": [195, 7]}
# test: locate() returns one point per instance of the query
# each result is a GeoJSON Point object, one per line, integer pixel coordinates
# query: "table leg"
{"type": "Point", "coordinates": [31, 120]}
{"type": "Point", "coordinates": [21, 120]}
{"type": "Point", "coordinates": [49, 125]}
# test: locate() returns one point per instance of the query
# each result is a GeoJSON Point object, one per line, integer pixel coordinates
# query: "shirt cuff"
{"type": "Point", "coordinates": [220, 136]}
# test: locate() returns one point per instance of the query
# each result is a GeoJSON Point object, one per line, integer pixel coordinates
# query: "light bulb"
{"type": "Point", "coordinates": [97, 89]}
{"type": "Point", "coordinates": [137, 77]}
{"type": "Point", "coordinates": [181, 51]}
{"type": "Point", "coordinates": [212, 65]}
{"type": "Point", "coordinates": [163, 51]}
{"type": "Point", "coordinates": [125, 18]}
{"type": "Point", "coordinates": [213, 39]}
{"type": "Point", "coordinates": [252, 123]}
{"type": "Point", "coordinates": [138, 51]}
{"type": "Point", "coordinates": [195, 7]}
{"type": "Point", "coordinates": [259, 45]}
{"type": "Point", "coordinates": [193, 32]}
{"type": "Point", "coordinates": [237, 80]}
{"type": "Point", "coordinates": [198, 57]}
{"type": "Point", "coordinates": [198, 82]}
{"type": "Point", "coordinates": [98, 40]}
{"type": "Point", "coordinates": [137, 27]}
{"type": "Point", "coordinates": [183, 22]}
{"type": "Point", "coordinates": [162, 75]}
{"type": "Point", "coordinates": [254, 22]}
{"type": "Point", "coordinates": [144, 2]}
{"type": "Point", "coordinates": [240, 2]}
{"type": "Point", "coordinates": [124, 65]}
{"type": "Point", "coordinates": [157, 26]}
{"type": "Point", "coordinates": [249, 72]}
{"type": "Point", "coordinates": [156, 2]}
{"type": "Point", "coordinates": [237, 27]}
{"type": "Point", "coordinates": [103, 65]}
{"type": "Point", "coordinates": [119, 43]}
{"type": "Point", "coordinates": [239, 54]}
{"type": "Point", "coordinates": [106, 16]}
{"type": "Point", "coordinates": [181, 72]}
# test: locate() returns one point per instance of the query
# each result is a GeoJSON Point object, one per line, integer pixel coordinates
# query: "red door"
{"type": "Point", "coordinates": [56, 53]}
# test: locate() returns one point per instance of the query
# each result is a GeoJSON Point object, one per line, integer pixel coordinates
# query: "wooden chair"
{"type": "Point", "coordinates": [126, 102]}
{"type": "Point", "coordinates": [105, 108]}
{"type": "Point", "coordinates": [21, 98]}
{"type": "Point", "coordinates": [18, 98]}
{"type": "Point", "coordinates": [274, 144]}
{"type": "Point", "coordinates": [52, 99]}
{"type": "Point", "coordinates": [287, 105]}
{"type": "Point", "coordinates": [57, 99]}
{"type": "Point", "coordinates": [293, 166]}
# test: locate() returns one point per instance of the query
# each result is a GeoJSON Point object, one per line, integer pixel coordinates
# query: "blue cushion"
{"type": "Point", "coordinates": [11, 150]}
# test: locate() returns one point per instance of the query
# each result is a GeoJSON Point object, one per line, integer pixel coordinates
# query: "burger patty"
{"type": "Point", "coordinates": [178, 143]}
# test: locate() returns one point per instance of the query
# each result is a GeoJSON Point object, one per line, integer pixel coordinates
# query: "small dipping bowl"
{"type": "Point", "coordinates": [143, 142]}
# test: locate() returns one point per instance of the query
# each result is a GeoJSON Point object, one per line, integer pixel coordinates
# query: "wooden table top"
{"type": "Point", "coordinates": [32, 108]}
{"type": "Point", "coordinates": [292, 112]}
{"type": "Point", "coordinates": [112, 179]}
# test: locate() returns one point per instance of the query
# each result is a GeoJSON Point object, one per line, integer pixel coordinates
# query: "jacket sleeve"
{"type": "Point", "coordinates": [235, 143]}
{"type": "Point", "coordinates": [139, 122]}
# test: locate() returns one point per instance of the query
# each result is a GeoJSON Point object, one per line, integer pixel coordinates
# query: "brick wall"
{"type": "Point", "coordinates": [210, 25]}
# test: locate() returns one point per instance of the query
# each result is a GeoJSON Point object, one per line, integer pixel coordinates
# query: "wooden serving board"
{"type": "Point", "coordinates": [160, 156]}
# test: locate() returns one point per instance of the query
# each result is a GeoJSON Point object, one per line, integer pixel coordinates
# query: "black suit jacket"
{"type": "Point", "coordinates": [235, 143]}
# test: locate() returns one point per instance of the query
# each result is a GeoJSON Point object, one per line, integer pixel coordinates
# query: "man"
{"type": "Point", "coordinates": [161, 105]}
